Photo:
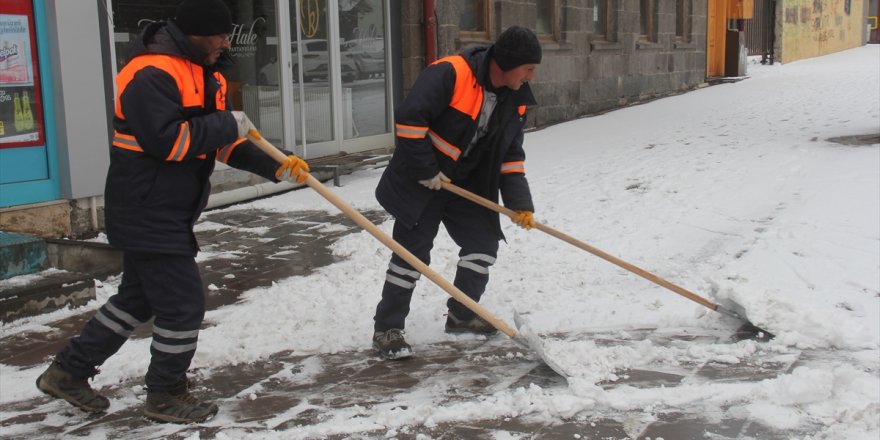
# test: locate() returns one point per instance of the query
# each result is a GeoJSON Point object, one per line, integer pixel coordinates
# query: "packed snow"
{"type": "Point", "coordinates": [732, 191]}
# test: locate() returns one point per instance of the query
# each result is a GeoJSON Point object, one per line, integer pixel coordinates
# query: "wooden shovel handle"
{"type": "Point", "coordinates": [577, 243]}
{"type": "Point", "coordinates": [396, 247]}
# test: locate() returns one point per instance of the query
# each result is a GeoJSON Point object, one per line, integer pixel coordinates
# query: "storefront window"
{"type": "Point", "coordinates": [253, 81]}
{"type": "Point", "coordinates": [336, 85]}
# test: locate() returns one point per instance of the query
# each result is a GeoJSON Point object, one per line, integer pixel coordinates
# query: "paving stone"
{"type": "Point", "coordinates": [688, 427]}
{"type": "Point", "coordinates": [643, 378]}
{"type": "Point", "coordinates": [747, 371]}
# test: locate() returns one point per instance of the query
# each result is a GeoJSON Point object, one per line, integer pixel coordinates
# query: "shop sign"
{"type": "Point", "coordinates": [244, 39]}
{"type": "Point", "coordinates": [20, 116]}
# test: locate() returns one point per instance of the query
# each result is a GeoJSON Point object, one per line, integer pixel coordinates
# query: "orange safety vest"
{"type": "Point", "coordinates": [190, 80]}
{"type": "Point", "coordinates": [467, 97]}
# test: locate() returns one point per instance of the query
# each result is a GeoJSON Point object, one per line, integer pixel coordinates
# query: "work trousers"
{"type": "Point", "coordinates": [165, 287]}
{"type": "Point", "coordinates": [470, 228]}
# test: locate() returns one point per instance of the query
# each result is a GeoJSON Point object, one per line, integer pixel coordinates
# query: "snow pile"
{"type": "Point", "coordinates": [732, 191]}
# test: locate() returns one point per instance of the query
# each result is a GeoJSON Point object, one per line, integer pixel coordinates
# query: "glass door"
{"type": "Point", "coordinates": [363, 53]}
{"type": "Point", "coordinates": [338, 67]}
{"type": "Point", "coordinates": [313, 77]}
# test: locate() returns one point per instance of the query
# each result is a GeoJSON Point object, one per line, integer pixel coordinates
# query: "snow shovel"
{"type": "Point", "coordinates": [522, 335]}
{"type": "Point", "coordinates": [747, 330]}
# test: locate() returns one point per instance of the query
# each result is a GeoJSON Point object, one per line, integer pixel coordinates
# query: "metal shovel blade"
{"type": "Point", "coordinates": [747, 330]}
{"type": "Point", "coordinates": [528, 339]}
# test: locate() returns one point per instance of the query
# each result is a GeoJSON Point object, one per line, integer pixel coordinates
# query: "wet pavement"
{"type": "Point", "coordinates": [282, 394]}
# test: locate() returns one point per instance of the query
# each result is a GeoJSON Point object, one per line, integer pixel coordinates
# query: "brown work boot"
{"type": "Point", "coordinates": [177, 406]}
{"type": "Point", "coordinates": [58, 383]}
{"type": "Point", "coordinates": [476, 325]}
{"type": "Point", "coordinates": [391, 345]}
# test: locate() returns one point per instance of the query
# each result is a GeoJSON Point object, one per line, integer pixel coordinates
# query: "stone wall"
{"type": "Point", "coordinates": [810, 28]}
{"type": "Point", "coordinates": [48, 219]}
{"type": "Point", "coordinates": [580, 74]}
{"type": "Point", "coordinates": [56, 219]}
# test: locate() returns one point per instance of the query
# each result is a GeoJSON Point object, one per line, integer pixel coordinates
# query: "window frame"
{"type": "Point", "coordinates": [606, 18]}
{"type": "Point", "coordinates": [648, 21]}
{"type": "Point", "coordinates": [552, 6]}
{"type": "Point", "coordinates": [477, 34]}
{"type": "Point", "coordinates": [683, 21]}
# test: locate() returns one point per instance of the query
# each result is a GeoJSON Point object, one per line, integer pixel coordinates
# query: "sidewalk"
{"type": "Point", "coordinates": [286, 396]}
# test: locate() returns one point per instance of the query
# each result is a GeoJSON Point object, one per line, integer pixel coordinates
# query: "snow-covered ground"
{"type": "Point", "coordinates": [731, 191]}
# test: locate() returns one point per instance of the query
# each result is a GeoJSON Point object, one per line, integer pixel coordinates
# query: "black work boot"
{"type": "Point", "coordinates": [391, 345]}
{"type": "Point", "coordinates": [58, 383]}
{"type": "Point", "coordinates": [476, 325]}
{"type": "Point", "coordinates": [177, 406]}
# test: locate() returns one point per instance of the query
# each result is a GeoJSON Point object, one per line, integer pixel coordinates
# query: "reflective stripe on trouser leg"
{"type": "Point", "coordinates": [468, 226]}
{"type": "Point", "coordinates": [111, 326]}
{"type": "Point", "coordinates": [404, 277]}
{"type": "Point", "coordinates": [173, 287]}
{"type": "Point", "coordinates": [471, 277]}
{"type": "Point", "coordinates": [174, 342]}
{"type": "Point", "coordinates": [400, 281]}
{"type": "Point", "coordinates": [400, 278]}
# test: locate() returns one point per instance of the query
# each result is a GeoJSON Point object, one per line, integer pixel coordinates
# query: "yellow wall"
{"type": "Point", "coordinates": [812, 28]}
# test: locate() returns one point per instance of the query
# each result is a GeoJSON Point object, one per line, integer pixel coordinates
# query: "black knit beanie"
{"type": "Point", "coordinates": [516, 46]}
{"type": "Point", "coordinates": [204, 17]}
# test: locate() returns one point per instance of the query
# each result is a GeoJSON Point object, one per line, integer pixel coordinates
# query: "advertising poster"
{"type": "Point", "coordinates": [20, 115]}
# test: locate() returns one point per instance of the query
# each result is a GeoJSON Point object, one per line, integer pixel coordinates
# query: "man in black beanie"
{"type": "Point", "coordinates": [462, 121]}
{"type": "Point", "coordinates": [516, 46]}
{"type": "Point", "coordinates": [171, 123]}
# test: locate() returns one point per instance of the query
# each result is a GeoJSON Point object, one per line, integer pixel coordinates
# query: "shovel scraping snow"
{"type": "Point", "coordinates": [524, 337]}
{"type": "Point", "coordinates": [746, 330]}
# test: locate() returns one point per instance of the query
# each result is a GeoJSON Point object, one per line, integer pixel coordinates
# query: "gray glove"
{"type": "Point", "coordinates": [434, 182]}
{"type": "Point", "coordinates": [244, 123]}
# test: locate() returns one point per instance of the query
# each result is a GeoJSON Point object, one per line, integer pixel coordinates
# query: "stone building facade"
{"type": "Point", "coordinates": [598, 55]}
{"type": "Point", "coordinates": [583, 71]}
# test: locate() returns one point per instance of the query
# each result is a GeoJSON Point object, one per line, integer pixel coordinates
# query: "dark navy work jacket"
{"type": "Point", "coordinates": [433, 128]}
{"type": "Point", "coordinates": [171, 122]}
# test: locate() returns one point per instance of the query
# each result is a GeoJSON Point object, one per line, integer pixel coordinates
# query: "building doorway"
{"type": "Point", "coordinates": [716, 41]}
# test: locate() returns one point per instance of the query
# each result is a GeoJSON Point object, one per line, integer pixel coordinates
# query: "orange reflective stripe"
{"type": "Point", "coordinates": [444, 147]}
{"type": "Point", "coordinates": [521, 109]}
{"type": "Point", "coordinates": [187, 75]}
{"type": "Point", "coordinates": [225, 152]}
{"type": "Point", "coordinates": [126, 142]}
{"type": "Point", "coordinates": [411, 131]}
{"type": "Point", "coordinates": [221, 93]}
{"type": "Point", "coordinates": [467, 96]}
{"type": "Point", "coordinates": [181, 144]}
{"type": "Point", "coordinates": [513, 167]}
